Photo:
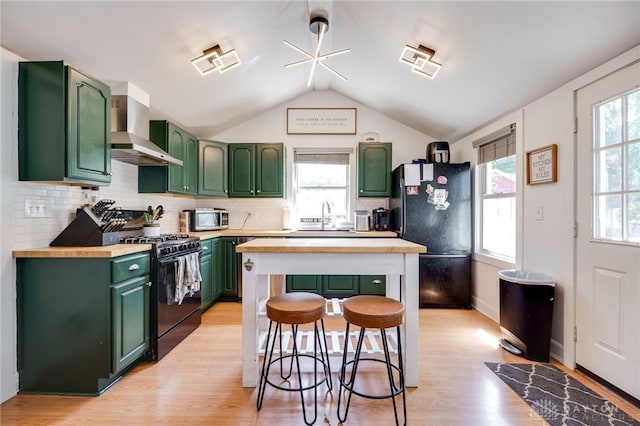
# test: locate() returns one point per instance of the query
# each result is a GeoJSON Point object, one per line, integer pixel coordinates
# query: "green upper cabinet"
{"type": "Point", "coordinates": [374, 169]}
{"type": "Point", "coordinates": [171, 179]}
{"type": "Point", "coordinates": [64, 125]}
{"type": "Point", "coordinates": [212, 169]}
{"type": "Point", "coordinates": [256, 170]}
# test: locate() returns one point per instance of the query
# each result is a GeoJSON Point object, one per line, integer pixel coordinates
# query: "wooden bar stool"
{"type": "Point", "coordinates": [295, 309]}
{"type": "Point", "coordinates": [372, 312]}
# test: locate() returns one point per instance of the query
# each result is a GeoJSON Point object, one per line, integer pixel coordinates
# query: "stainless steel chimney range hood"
{"type": "Point", "coordinates": [130, 135]}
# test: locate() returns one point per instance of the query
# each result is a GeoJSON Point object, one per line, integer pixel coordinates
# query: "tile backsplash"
{"type": "Point", "coordinates": [42, 210]}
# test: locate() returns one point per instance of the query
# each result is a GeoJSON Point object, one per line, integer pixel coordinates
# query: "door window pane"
{"type": "Point", "coordinates": [633, 121]}
{"type": "Point", "coordinates": [610, 170]}
{"type": "Point", "coordinates": [609, 123]}
{"type": "Point", "coordinates": [633, 218]}
{"type": "Point", "coordinates": [633, 166]}
{"type": "Point", "coordinates": [609, 216]}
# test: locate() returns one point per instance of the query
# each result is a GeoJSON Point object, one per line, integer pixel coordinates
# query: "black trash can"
{"type": "Point", "coordinates": [526, 312]}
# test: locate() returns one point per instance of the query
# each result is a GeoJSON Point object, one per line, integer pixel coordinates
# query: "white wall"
{"type": "Point", "coordinates": [8, 156]}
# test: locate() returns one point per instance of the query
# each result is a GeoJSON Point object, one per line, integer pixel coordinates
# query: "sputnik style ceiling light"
{"type": "Point", "coordinates": [419, 59]}
{"type": "Point", "coordinates": [213, 59]}
{"type": "Point", "coordinates": [317, 25]}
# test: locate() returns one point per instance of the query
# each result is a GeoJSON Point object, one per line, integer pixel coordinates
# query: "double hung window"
{"type": "Point", "coordinates": [319, 176]}
{"type": "Point", "coordinates": [496, 175]}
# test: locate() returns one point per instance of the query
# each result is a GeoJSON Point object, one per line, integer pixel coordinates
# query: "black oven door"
{"type": "Point", "coordinates": [173, 304]}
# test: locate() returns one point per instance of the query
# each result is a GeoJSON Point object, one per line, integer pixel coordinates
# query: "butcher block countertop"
{"type": "Point", "coordinates": [330, 245]}
{"type": "Point", "coordinates": [80, 252]}
{"type": "Point", "coordinates": [122, 249]}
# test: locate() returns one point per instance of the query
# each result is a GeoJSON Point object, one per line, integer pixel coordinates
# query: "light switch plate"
{"type": "Point", "coordinates": [539, 212]}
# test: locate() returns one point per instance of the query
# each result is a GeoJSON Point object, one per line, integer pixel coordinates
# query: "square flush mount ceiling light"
{"type": "Point", "coordinates": [419, 59]}
{"type": "Point", "coordinates": [214, 60]}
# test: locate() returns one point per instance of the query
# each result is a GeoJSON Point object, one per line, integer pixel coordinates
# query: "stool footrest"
{"type": "Point", "coordinates": [335, 342]}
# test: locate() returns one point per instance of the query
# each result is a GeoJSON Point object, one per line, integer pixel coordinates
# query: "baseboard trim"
{"type": "Point", "coordinates": [611, 387]}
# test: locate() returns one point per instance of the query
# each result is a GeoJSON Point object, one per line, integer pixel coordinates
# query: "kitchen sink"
{"type": "Point", "coordinates": [325, 230]}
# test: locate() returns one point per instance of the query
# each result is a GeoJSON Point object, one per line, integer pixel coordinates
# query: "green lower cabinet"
{"type": "Point", "coordinates": [229, 271]}
{"type": "Point", "coordinates": [217, 268]}
{"type": "Point", "coordinates": [310, 283]}
{"type": "Point", "coordinates": [340, 285]}
{"type": "Point", "coordinates": [130, 315]}
{"type": "Point", "coordinates": [81, 322]}
{"type": "Point", "coordinates": [337, 285]}
{"type": "Point", "coordinates": [372, 284]}
{"type": "Point", "coordinates": [206, 287]}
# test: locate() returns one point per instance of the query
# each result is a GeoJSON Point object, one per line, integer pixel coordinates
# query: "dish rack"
{"type": "Point", "coordinates": [372, 344]}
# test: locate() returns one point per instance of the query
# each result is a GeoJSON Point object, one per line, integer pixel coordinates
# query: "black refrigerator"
{"type": "Point", "coordinates": [431, 205]}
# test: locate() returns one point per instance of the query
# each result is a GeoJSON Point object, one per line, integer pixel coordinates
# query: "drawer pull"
{"type": "Point", "coordinates": [377, 282]}
{"type": "Point", "coordinates": [134, 267]}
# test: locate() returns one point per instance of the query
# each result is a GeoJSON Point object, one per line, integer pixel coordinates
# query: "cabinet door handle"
{"type": "Point", "coordinates": [149, 284]}
{"type": "Point", "coordinates": [134, 267]}
{"type": "Point", "coordinates": [258, 191]}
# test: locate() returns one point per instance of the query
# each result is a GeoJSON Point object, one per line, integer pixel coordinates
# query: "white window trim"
{"type": "Point", "coordinates": [488, 258]}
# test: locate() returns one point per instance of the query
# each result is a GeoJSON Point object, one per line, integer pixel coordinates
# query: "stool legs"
{"type": "Point", "coordinates": [347, 383]}
{"type": "Point", "coordinates": [322, 357]}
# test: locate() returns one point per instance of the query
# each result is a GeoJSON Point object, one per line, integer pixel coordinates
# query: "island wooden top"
{"type": "Point", "coordinates": [114, 250]}
{"type": "Point", "coordinates": [330, 245]}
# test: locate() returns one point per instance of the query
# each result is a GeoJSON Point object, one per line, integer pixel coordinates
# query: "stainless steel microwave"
{"type": "Point", "coordinates": [208, 219]}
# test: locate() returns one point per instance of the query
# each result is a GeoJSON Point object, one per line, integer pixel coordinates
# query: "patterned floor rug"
{"type": "Point", "coordinates": [558, 398]}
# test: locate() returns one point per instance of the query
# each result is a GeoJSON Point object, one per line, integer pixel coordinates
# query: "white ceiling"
{"type": "Point", "coordinates": [496, 56]}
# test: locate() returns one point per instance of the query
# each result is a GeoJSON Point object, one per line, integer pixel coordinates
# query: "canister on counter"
{"type": "Point", "coordinates": [184, 222]}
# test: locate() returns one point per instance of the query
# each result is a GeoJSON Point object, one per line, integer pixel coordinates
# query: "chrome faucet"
{"type": "Point", "coordinates": [328, 211]}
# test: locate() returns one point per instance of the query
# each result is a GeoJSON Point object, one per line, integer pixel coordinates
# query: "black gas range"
{"type": "Point", "coordinates": [166, 244]}
{"type": "Point", "coordinates": [175, 295]}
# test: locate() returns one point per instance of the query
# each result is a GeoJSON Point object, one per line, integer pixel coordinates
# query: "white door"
{"type": "Point", "coordinates": [608, 219]}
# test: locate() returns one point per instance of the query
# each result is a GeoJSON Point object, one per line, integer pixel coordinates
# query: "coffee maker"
{"type": "Point", "coordinates": [380, 219]}
{"type": "Point", "coordinates": [438, 152]}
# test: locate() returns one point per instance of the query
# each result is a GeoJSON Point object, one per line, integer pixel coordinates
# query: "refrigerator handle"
{"type": "Point", "coordinates": [403, 210]}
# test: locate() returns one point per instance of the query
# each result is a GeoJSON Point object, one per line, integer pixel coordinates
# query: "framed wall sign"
{"type": "Point", "coordinates": [321, 121]}
{"type": "Point", "coordinates": [542, 165]}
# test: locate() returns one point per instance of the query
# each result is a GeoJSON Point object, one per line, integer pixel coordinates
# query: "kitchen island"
{"type": "Point", "coordinates": [262, 257]}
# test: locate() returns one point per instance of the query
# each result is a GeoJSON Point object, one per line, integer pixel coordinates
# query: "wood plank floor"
{"type": "Point", "coordinates": [199, 383]}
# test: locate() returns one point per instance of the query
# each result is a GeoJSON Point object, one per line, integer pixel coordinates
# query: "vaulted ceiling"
{"type": "Point", "coordinates": [496, 56]}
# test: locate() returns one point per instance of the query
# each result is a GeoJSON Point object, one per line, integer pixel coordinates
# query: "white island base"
{"type": "Point", "coordinates": [263, 257]}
